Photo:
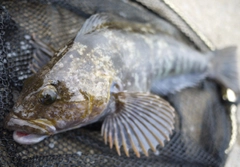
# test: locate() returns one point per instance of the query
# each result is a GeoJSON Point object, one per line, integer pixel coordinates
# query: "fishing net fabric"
{"type": "Point", "coordinates": [203, 126]}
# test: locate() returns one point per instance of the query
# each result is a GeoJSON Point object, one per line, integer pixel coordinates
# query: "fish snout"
{"type": "Point", "coordinates": [12, 122]}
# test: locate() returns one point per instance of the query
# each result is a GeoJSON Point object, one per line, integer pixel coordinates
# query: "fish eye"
{"type": "Point", "coordinates": [48, 95]}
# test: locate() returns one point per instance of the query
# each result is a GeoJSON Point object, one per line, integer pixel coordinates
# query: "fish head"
{"type": "Point", "coordinates": [56, 100]}
{"type": "Point", "coordinates": [52, 109]}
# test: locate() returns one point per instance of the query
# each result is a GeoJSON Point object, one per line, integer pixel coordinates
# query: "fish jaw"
{"type": "Point", "coordinates": [27, 139]}
{"type": "Point", "coordinates": [27, 131]}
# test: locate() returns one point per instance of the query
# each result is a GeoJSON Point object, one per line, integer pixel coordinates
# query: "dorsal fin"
{"type": "Point", "coordinates": [110, 21]}
{"type": "Point", "coordinates": [93, 23]}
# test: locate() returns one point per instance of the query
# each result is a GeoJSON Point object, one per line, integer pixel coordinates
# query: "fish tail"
{"type": "Point", "coordinates": [225, 68]}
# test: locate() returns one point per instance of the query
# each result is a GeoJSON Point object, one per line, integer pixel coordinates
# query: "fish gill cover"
{"type": "Point", "coordinates": [202, 124]}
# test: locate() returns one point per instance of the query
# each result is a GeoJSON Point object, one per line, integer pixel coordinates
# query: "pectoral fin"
{"type": "Point", "coordinates": [139, 121]}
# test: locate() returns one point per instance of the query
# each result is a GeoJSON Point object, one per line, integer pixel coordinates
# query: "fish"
{"type": "Point", "coordinates": [118, 72]}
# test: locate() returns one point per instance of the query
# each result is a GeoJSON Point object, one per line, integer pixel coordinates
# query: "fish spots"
{"type": "Point", "coordinates": [30, 114]}
{"type": "Point", "coordinates": [25, 112]}
{"type": "Point", "coordinates": [60, 65]}
{"type": "Point", "coordinates": [136, 78]}
{"type": "Point", "coordinates": [80, 48]}
{"type": "Point", "coordinates": [60, 124]}
{"type": "Point", "coordinates": [76, 97]}
{"type": "Point", "coordinates": [109, 35]}
{"type": "Point", "coordinates": [18, 109]}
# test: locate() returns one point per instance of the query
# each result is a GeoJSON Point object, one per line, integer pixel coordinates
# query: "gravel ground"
{"type": "Point", "coordinates": [218, 20]}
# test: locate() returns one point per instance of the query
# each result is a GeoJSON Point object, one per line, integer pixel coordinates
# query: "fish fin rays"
{"type": "Point", "coordinates": [224, 68]}
{"type": "Point", "coordinates": [141, 122]}
{"type": "Point", "coordinates": [41, 54]}
{"type": "Point", "coordinates": [173, 84]}
{"type": "Point", "coordinates": [110, 21]}
{"type": "Point", "coordinates": [95, 22]}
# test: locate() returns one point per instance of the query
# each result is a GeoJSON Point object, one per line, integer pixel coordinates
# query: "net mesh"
{"type": "Point", "coordinates": [202, 130]}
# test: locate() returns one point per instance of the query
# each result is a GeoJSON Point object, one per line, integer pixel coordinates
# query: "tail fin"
{"type": "Point", "coordinates": [225, 68]}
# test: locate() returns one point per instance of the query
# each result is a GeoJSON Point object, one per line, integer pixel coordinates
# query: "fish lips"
{"type": "Point", "coordinates": [28, 131]}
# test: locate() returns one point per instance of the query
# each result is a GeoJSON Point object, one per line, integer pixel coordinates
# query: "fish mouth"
{"type": "Point", "coordinates": [26, 138]}
{"type": "Point", "coordinates": [29, 131]}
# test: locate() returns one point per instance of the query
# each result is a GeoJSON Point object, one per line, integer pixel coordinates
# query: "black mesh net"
{"type": "Point", "coordinates": [203, 126]}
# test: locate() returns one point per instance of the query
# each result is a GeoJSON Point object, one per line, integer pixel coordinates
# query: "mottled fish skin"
{"type": "Point", "coordinates": [139, 59]}
{"type": "Point", "coordinates": [75, 79]}
{"type": "Point", "coordinates": [108, 73]}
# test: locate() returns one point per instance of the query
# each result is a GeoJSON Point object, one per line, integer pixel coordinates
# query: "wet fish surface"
{"type": "Point", "coordinates": [115, 71]}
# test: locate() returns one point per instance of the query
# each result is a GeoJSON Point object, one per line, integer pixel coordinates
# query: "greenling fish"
{"type": "Point", "coordinates": [115, 71]}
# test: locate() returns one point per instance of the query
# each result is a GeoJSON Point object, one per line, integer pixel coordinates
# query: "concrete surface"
{"type": "Point", "coordinates": [219, 21]}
